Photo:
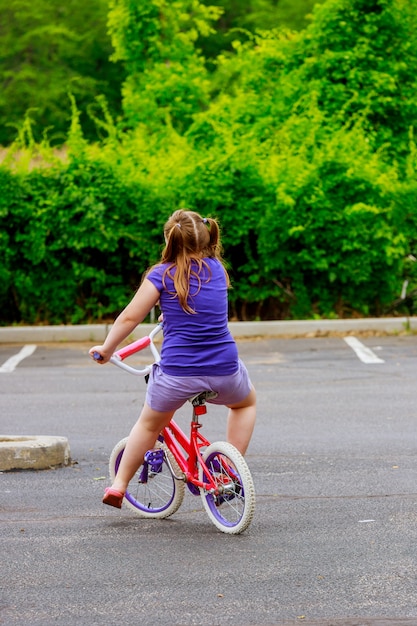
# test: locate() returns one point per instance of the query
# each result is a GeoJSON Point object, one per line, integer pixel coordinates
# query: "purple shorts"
{"type": "Point", "coordinates": [168, 393]}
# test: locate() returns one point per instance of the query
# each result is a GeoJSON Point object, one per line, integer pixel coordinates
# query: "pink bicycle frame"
{"type": "Point", "coordinates": [174, 437]}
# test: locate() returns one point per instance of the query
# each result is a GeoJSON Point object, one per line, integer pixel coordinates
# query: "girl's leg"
{"type": "Point", "coordinates": [241, 422]}
{"type": "Point", "coordinates": [142, 438]}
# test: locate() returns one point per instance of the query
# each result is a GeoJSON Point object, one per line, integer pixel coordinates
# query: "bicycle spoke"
{"type": "Point", "coordinates": [232, 509]}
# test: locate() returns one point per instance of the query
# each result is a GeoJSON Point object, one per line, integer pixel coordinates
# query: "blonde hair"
{"type": "Point", "coordinates": [189, 238]}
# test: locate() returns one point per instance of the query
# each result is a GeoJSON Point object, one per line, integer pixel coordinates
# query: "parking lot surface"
{"type": "Point", "coordinates": [333, 458]}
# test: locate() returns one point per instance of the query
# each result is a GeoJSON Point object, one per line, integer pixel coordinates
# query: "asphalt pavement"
{"type": "Point", "coordinates": [334, 463]}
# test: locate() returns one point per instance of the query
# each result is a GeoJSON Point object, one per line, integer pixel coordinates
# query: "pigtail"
{"type": "Point", "coordinates": [177, 255]}
{"type": "Point", "coordinates": [214, 232]}
{"type": "Point", "coordinates": [173, 243]}
{"type": "Point", "coordinates": [215, 247]}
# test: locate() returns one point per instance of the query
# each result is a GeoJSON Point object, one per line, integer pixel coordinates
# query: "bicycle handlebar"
{"type": "Point", "coordinates": [119, 356]}
{"type": "Point", "coordinates": [136, 346]}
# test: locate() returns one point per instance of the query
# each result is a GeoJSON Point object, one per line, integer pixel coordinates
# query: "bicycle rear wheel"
{"type": "Point", "coordinates": [161, 495]}
{"type": "Point", "coordinates": [233, 509]}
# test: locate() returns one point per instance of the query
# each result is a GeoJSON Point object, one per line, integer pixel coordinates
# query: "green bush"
{"type": "Point", "coordinates": [80, 244]}
{"type": "Point", "coordinates": [312, 229]}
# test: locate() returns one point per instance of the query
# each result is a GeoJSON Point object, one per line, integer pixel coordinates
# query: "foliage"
{"type": "Point", "coordinates": [336, 238]}
{"type": "Point", "coordinates": [78, 234]}
{"type": "Point", "coordinates": [298, 143]}
{"type": "Point", "coordinates": [46, 50]}
{"type": "Point", "coordinates": [308, 229]}
{"type": "Point", "coordinates": [167, 80]}
{"type": "Point", "coordinates": [360, 58]}
{"type": "Point", "coordinates": [241, 19]}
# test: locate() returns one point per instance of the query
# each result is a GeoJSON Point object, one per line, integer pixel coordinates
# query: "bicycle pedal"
{"type": "Point", "coordinates": [154, 458]}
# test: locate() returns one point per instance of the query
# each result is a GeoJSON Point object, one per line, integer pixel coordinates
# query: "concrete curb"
{"type": "Point", "coordinates": [96, 333]}
{"type": "Point", "coordinates": [33, 452]}
{"type": "Point", "coordinates": [299, 328]}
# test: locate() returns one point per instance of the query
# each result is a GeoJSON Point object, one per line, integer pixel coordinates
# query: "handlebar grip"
{"type": "Point", "coordinates": [136, 346]}
{"type": "Point", "coordinates": [97, 356]}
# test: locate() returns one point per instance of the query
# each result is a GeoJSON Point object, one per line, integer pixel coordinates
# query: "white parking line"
{"type": "Point", "coordinates": [11, 364]}
{"type": "Point", "coordinates": [362, 352]}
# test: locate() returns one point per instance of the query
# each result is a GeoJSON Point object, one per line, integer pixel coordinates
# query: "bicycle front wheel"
{"type": "Point", "coordinates": [232, 510]}
{"type": "Point", "coordinates": [161, 495]}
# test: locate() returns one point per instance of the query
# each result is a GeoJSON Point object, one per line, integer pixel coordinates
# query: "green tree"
{"type": "Point", "coordinates": [359, 58]}
{"type": "Point", "coordinates": [48, 48]}
{"type": "Point", "coordinates": [167, 80]}
{"type": "Point", "coordinates": [239, 18]}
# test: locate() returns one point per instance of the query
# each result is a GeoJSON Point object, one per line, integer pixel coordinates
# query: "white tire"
{"type": "Point", "coordinates": [232, 511]}
{"type": "Point", "coordinates": [161, 495]}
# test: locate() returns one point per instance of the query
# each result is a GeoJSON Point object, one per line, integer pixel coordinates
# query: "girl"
{"type": "Point", "coordinates": [198, 352]}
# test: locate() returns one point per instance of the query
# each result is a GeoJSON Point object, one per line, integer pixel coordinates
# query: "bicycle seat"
{"type": "Point", "coordinates": [201, 397]}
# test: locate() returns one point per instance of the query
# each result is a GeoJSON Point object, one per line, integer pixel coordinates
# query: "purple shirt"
{"type": "Point", "coordinates": [197, 343]}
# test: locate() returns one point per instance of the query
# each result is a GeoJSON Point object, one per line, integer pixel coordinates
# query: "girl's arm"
{"type": "Point", "coordinates": [138, 308]}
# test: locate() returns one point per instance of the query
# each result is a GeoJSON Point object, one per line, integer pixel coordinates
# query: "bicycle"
{"type": "Point", "coordinates": [215, 471]}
